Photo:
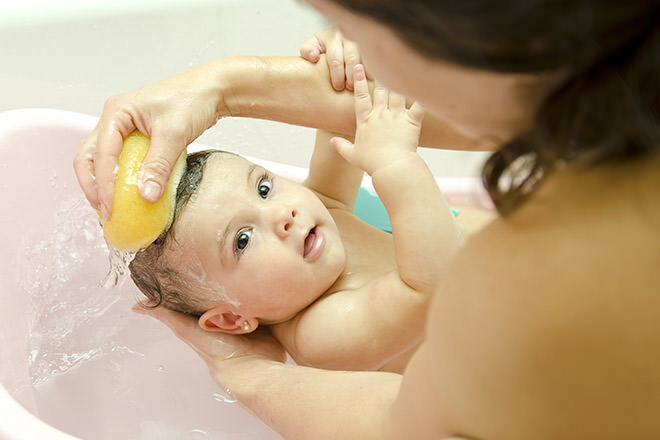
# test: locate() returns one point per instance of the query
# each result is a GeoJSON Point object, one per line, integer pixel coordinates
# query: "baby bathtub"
{"type": "Point", "coordinates": [75, 362]}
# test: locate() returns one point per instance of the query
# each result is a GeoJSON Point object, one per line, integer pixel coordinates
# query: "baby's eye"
{"type": "Point", "coordinates": [264, 186]}
{"type": "Point", "coordinates": [242, 240]}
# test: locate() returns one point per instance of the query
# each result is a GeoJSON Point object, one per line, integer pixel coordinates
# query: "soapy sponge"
{"type": "Point", "coordinates": [136, 223]}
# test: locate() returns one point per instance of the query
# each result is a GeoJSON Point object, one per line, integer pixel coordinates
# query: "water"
{"type": "Point", "coordinates": [224, 397]}
{"type": "Point", "coordinates": [62, 298]}
{"type": "Point", "coordinates": [119, 261]}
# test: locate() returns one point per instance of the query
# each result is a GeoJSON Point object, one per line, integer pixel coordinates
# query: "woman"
{"type": "Point", "coordinates": [546, 326]}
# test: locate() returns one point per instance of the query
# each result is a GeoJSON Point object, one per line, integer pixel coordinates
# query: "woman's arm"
{"type": "Point", "coordinates": [309, 403]}
{"type": "Point", "coordinates": [299, 402]}
{"type": "Point", "coordinates": [295, 91]}
{"type": "Point", "coordinates": [175, 111]}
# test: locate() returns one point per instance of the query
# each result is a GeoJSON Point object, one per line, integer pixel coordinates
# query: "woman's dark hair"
{"type": "Point", "coordinates": [150, 271]}
{"type": "Point", "coordinates": [607, 107]}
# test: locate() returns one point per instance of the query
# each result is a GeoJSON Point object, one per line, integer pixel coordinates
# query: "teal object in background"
{"type": "Point", "coordinates": [370, 209]}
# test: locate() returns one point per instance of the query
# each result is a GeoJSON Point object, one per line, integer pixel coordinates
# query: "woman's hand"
{"type": "Point", "coordinates": [342, 55]}
{"type": "Point", "coordinates": [220, 351]}
{"type": "Point", "coordinates": [172, 112]}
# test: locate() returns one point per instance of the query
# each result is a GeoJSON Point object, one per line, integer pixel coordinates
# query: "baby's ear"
{"type": "Point", "coordinates": [218, 319]}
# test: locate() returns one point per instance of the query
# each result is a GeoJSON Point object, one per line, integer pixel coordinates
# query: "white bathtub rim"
{"type": "Point", "coordinates": [24, 424]}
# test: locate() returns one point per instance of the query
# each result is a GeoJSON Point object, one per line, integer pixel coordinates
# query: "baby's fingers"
{"type": "Point", "coordinates": [397, 102]}
{"type": "Point", "coordinates": [345, 149]}
{"type": "Point", "coordinates": [381, 96]}
{"type": "Point", "coordinates": [361, 94]}
{"type": "Point", "coordinates": [416, 113]}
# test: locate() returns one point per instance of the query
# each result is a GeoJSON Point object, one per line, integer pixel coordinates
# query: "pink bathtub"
{"type": "Point", "coordinates": [75, 362]}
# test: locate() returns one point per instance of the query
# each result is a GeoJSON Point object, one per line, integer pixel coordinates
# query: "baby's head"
{"type": "Point", "coordinates": [245, 245]}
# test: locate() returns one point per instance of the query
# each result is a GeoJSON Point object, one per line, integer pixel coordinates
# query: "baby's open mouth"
{"type": "Point", "coordinates": [309, 242]}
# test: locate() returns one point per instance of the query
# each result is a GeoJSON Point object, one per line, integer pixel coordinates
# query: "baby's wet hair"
{"type": "Point", "coordinates": [151, 271]}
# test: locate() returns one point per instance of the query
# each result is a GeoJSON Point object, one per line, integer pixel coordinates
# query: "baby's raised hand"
{"type": "Point", "coordinates": [386, 131]}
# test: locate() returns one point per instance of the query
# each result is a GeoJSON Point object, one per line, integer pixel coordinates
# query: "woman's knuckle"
{"type": "Point", "coordinates": [334, 61]}
{"type": "Point", "coordinates": [352, 58]}
{"type": "Point", "coordinates": [159, 167]}
{"type": "Point", "coordinates": [112, 102]}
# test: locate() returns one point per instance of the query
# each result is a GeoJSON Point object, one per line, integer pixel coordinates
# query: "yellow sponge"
{"type": "Point", "coordinates": [136, 223]}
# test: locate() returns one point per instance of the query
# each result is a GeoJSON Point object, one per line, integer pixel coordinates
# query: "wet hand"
{"type": "Point", "coordinates": [342, 55]}
{"type": "Point", "coordinates": [386, 130]}
{"type": "Point", "coordinates": [220, 351]}
{"type": "Point", "coordinates": [172, 112]}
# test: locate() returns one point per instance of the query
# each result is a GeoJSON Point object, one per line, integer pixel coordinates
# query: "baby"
{"type": "Point", "coordinates": [248, 248]}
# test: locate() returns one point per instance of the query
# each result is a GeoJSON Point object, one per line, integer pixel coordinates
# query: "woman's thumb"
{"type": "Point", "coordinates": [157, 167]}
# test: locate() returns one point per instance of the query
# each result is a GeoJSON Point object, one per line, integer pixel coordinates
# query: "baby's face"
{"type": "Point", "coordinates": [262, 243]}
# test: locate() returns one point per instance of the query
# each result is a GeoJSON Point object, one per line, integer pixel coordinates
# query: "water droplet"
{"type": "Point", "coordinates": [198, 434]}
{"type": "Point", "coordinates": [224, 398]}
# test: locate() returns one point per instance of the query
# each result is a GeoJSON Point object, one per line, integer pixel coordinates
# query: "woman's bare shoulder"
{"type": "Point", "coordinates": [556, 307]}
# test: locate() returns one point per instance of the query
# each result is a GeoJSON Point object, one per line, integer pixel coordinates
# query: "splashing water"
{"type": "Point", "coordinates": [81, 333]}
{"type": "Point", "coordinates": [65, 298]}
{"type": "Point", "coordinates": [119, 261]}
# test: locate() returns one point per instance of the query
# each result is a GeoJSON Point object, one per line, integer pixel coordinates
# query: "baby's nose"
{"type": "Point", "coordinates": [284, 219]}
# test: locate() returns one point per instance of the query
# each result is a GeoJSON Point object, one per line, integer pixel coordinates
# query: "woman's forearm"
{"type": "Point", "coordinates": [295, 91]}
{"type": "Point", "coordinates": [307, 403]}
{"type": "Point", "coordinates": [286, 89]}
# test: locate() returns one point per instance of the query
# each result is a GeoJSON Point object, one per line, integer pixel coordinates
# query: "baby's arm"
{"type": "Point", "coordinates": [426, 237]}
{"type": "Point", "coordinates": [334, 180]}
{"type": "Point", "coordinates": [363, 329]}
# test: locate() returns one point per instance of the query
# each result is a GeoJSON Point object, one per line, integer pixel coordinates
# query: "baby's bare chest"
{"type": "Point", "coordinates": [369, 252]}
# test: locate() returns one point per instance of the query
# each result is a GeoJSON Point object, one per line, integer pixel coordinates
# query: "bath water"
{"type": "Point", "coordinates": [62, 295]}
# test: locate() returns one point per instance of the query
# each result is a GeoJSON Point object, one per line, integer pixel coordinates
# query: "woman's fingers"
{"type": "Point", "coordinates": [113, 128]}
{"type": "Point", "coordinates": [352, 59]}
{"type": "Point", "coordinates": [361, 94]}
{"type": "Point", "coordinates": [312, 49]}
{"type": "Point", "coordinates": [184, 327]}
{"type": "Point", "coordinates": [342, 55]}
{"type": "Point", "coordinates": [83, 165]}
{"type": "Point", "coordinates": [206, 344]}
{"type": "Point", "coordinates": [335, 59]}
